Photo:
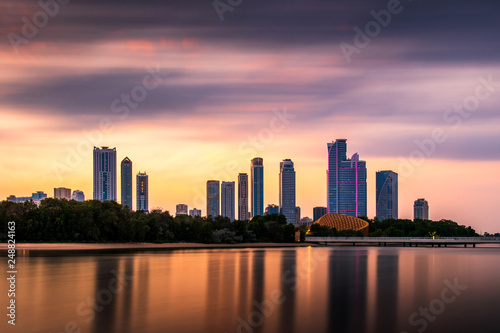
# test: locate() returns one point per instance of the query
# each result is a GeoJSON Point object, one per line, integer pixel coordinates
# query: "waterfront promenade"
{"type": "Point", "coordinates": [405, 241]}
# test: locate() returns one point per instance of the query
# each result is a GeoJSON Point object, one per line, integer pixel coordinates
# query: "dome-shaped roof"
{"type": "Point", "coordinates": [343, 222]}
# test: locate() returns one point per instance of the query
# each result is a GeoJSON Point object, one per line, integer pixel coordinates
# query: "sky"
{"type": "Point", "coordinates": [193, 90]}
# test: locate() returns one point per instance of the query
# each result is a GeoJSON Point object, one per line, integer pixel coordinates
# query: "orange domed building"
{"type": "Point", "coordinates": [343, 222]}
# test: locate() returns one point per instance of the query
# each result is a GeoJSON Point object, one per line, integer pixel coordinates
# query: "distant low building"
{"type": "Point", "coordinates": [78, 196]}
{"type": "Point", "coordinates": [272, 209]}
{"type": "Point", "coordinates": [12, 198]}
{"type": "Point", "coordinates": [318, 212]}
{"type": "Point", "coordinates": [62, 193]}
{"type": "Point", "coordinates": [297, 214]}
{"type": "Point", "coordinates": [306, 221]}
{"type": "Point", "coordinates": [194, 212]}
{"type": "Point", "coordinates": [181, 209]}
{"type": "Point", "coordinates": [38, 195]}
{"type": "Point", "coordinates": [421, 209]}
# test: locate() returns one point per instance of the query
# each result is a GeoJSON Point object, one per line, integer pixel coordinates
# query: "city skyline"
{"type": "Point", "coordinates": [145, 195]}
{"type": "Point", "coordinates": [213, 104]}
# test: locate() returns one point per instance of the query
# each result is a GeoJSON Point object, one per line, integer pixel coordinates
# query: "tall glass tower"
{"type": "Point", "coordinates": [104, 173]}
{"type": "Point", "coordinates": [227, 200]}
{"type": "Point", "coordinates": [387, 195]}
{"type": "Point", "coordinates": [287, 191]}
{"type": "Point", "coordinates": [243, 196]}
{"type": "Point", "coordinates": [126, 188]}
{"type": "Point", "coordinates": [257, 175]}
{"type": "Point", "coordinates": [142, 196]}
{"type": "Point", "coordinates": [346, 181]}
{"type": "Point", "coordinates": [213, 198]}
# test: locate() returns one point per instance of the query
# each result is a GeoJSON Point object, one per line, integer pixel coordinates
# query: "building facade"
{"type": "Point", "coordinates": [62, 193]}
{"type": "Point", "coordinates": [194, 212]}
{"type": "Point", "coordinates": [142, 196]}
{"type": "Point", "coordinates": [297, 213]}
{"type": "Point", "coordinates": [78, 196]}
{"type": "Point", "coordinates": [243, 197]}
{"type": "Point", "coordinates": [421, 209]}
{"type": "Point", "coordinates": [104, 173]}
{"type": "Point", "coordinates": [227, 199]}
{"type": "Point", "coordinates": [257, 184]}
{"type": "Point", "coordinates": [318, 212]}
{"type": "Point", "coordinates": [287, 191]}
{"type": "Point", "coordinates": [386, 195]}
{"type": "Point", "coordinates": [346, 181]}
{"type": "Point", "coordinates": [272, 209]}
{"type": "Point", "coordinates": [213, 198]}
{"type": "Point", "coordinates": [126, 182]}
{"type": "Point", "coordinates": [181, 209]}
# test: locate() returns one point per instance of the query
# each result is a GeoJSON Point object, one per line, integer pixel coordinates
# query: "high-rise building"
{"type": "Point", "coordinates": [227, 199]}
{"type": "Point", "coordinates": [104, 173]}
{"type": "Point", "coordinates": [181, 209]}
{"type": "Point", "coordinates": [297, 213]}
{"type": "Point", "coordinates": [142, 196]}
{"type": "Point", "coordinates": [318, 212]}
{"type": "Point", "coordinates": [272, 209]}
{"type": "Point", "coordinates": [346, 181]}
{"type": "Point", "coordinates": [243, 197]}
{"type": "Point", "coordinates": [421, 209]}
{"type": "Point", "coordinates": [78, 196]}
{"type": "Point", "coordinates": [257, 179]}
{"type": "Point", "coordinates": [287, 191]}
{"type": "Point", "coordinates": [126, 188]}
{"type": "Point", "coordinates": [194, 212]}
{"type": "Point", "coordinates": [387, 195]}
{"type": "Point", "coordinates": [213, 198]}
{"type": "Point", "coordinates": [62, 193]}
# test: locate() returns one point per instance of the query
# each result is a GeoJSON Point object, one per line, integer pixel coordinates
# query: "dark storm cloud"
{"type": "Point", "coordinates": [444, 30]}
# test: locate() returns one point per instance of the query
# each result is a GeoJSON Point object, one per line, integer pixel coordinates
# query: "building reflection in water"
{"type": "Point", "coordinates": [347, 291]}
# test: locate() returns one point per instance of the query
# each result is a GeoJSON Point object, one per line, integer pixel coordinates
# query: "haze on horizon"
{"type": "Point", "coordinates": [214, 88]}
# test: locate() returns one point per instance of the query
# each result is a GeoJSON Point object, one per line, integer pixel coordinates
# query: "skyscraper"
{"type": "Point", "coordinates": [421, 209]}
{"type": "Point", "coordinates": [126, 188]}
{"type": "Point", "coordinates": [318, 212]}
{"type": "Point", "coordinates": [346, 181]}
{"type": "Point", "coordinates": [78, 196]}
{"type": "Point", "coordinates": [257, 179]}
{"type": "Point", "coordinates": [142, 196]}
{"type": "Point", "coordinates": [227, 200]}
{"type": "Point", "coordinates": [287, 191]}
{"type": "Point", "coordinates": [387, 195]}
{"type": "Point", "coordinates": [62, 193]}
{"type": "Point", "coordinates": [213, 198]}
{"type": "Point", "coordinates": [243, 196]}
{"type": "Point", "coordinates": [104, 173]}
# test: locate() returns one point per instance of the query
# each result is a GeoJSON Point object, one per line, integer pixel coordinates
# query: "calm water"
{"type": "Point", "coordinates": [341, 289]}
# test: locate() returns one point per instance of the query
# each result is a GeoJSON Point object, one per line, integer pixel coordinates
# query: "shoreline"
{"type": "Point", "coordinates": [143, 246]}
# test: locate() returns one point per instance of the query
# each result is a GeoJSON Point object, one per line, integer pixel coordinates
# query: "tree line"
{"type": "Point", "coordinates": [400, 228]}
{"type": "Point", "coordinates": [60, 220]}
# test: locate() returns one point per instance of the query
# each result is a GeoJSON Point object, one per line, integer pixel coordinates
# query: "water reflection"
{"type": "Point", "coordinates": [344, 289]}
{"type": "Point", "coordinates": [347, 291]}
